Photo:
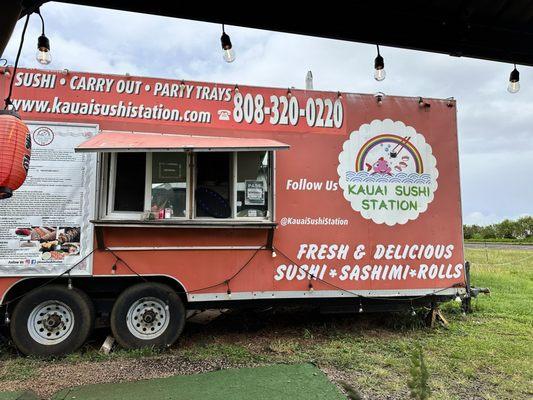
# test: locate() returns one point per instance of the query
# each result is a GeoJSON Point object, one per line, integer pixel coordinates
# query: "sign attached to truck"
{"type": "Point", "coordinates": [363, 197]}
{"type": "Point", "coordinates": [44, 227]}
{"type": "Point", "coordinates": [387, 172]}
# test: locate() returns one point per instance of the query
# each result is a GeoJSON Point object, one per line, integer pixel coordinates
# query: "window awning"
{"type": "Point", "coordinates": [116, 141]}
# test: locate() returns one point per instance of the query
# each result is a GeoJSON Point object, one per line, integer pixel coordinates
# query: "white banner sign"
{"type": "Point", "coordinates": [44, 227]}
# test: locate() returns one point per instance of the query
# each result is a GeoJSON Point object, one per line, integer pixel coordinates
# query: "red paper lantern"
{"type": "Point", "coordinates": [15, 151]}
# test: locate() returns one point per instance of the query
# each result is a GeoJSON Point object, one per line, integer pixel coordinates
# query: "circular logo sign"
{"type": "Point", "coordinates": [43, 136]}
{"type": "Point", "coordinates": [387, 172]}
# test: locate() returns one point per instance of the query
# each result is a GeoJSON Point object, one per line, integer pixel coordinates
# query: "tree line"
{"type": "Point", "coordinates": [521, 229]}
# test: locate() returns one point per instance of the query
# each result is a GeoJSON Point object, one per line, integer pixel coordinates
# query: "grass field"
{"type": "Point", "coordinates": [485, 355]}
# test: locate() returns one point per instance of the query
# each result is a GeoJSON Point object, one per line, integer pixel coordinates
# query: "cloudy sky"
{"type": "Point", "coordinates": [495, 127]}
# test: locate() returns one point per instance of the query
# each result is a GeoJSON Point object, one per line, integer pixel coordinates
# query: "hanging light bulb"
{"type": "Point", "coordinates": [227, 48]}
{"type": "Point", "coordinates": [360, 307]}
{"type": "Point", "coordinates": [514, 81]}
{"type": "Point", "coordinates": [43, 45]}
{"type": "Point", "coordinates": [379, 67]}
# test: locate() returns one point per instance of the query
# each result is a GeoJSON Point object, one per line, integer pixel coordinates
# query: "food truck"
{"type": "Point", "coordinates": [146, 198]}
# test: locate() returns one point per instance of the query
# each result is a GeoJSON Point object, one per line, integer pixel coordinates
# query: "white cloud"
{"type": "Point", "coordinates": [495, 128]}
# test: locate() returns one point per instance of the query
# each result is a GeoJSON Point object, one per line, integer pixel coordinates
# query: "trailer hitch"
{"type": "Point", "coordinates": [466, 302]}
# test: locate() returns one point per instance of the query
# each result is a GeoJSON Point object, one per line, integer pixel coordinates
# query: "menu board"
{"type": "Point", "coordinates": [44, 227]}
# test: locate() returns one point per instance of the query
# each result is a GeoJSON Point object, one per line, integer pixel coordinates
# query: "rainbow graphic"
{"type": "Point", "coordinates": [388, 138]}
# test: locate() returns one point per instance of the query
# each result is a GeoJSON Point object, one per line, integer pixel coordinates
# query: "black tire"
{"type": "Point", "coordinates": [130, 325]}
{"type": "Point", "coordinates": [71, 333]}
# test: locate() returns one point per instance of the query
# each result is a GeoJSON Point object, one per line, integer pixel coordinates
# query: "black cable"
{"type": "Point", "coordinates": [53, 279]}
{"type": "Point", "coordinates": [8, 101]}
{"type": "Point", "coordinates": [224, 282]}
{"type": "Point", "coordinates": [38, 12]}
{"type": "Point", "coordinates": [118, 258]}
{"type": "Point", "coordinates": [228, 280]}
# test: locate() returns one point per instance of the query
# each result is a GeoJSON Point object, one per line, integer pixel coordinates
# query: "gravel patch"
{"type": "Point", "coordinates": [53, 377]}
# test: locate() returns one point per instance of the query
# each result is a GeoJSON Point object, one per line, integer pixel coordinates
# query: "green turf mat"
{"type": "Point", "coordinates": [18, 396]}
{"type": "Point", "coordinates": [302, 381]}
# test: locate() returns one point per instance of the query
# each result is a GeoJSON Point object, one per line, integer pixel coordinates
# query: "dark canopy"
{"type": "Point", "coordinates": [500, 30]}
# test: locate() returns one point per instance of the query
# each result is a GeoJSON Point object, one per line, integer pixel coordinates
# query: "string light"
{"type": "Point", "coordinates": [228, 292]}
{"type": "Point", "coordinates": [360, 307]}
{"type": "Point", "coordinates": [69, 285]}
{"type": "Point", "coordinates": [311, 288]}
{"type": "Point", "coordinates": [236, 89]}
{"type": "Point", "coordinates": [379, 97]}
{"type": "Point", "coordinates": [514, 81]}
{"type": "Point", "coordinates": [379, 67]}
{"type": "Point", "coordinates": [227, 48]}
{"type": "Point", "coordinates": [182, 85]}
{"type": "Point", "coordinates": [43, 55]}
{"type": "Point", "coordinates": [289, 93]}
{"type": "Point", "coordinates": [339, 95]}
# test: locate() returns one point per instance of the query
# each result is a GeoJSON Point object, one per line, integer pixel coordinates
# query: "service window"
{"type": "Point", "coordinates": [126, 176]}
{"type": "Point", "coordinates": [203, 185]}
{"type": "Point", "coordinates": [169, 183]}
{"type": "Point", "coordinates": [253, 184]}
{"type": "Point", "coordinates": [213, 185]}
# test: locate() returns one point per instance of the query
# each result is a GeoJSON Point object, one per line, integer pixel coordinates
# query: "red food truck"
{"type": "Point", "coordinates": [147, 197]}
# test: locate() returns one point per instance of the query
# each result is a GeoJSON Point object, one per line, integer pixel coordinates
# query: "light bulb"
{"type": "Point", "coordinates": [514, 81]}
{"type": "Point", "coordinates": [379, 74]}
{"type": "Point", "coordinates": [227, 47]}
{"type": "Point", "coordinates": [43, 55]}
{"type": "Point", "coordinates": [228, 55]}
{"type": "Point", "coordinates": [379, 67]}
{"type": "Point", "coordinates": [513, 87]}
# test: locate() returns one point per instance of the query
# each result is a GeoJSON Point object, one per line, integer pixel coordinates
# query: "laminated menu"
{"type": "Point", "coordinates": [44, 227]}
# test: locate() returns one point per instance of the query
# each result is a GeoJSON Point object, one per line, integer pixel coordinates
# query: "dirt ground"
{"type": "Point", "coordinates": [237, 339]}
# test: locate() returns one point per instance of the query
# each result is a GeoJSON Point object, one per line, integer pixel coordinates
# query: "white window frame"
{"type": "Point", "coordinates": [107, 197]}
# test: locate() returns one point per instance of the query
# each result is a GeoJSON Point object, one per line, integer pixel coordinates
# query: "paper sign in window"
{"type": "Point", "coordinates": [255, 193]}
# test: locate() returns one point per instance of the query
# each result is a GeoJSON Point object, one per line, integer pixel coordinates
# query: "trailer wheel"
{"type": "Point", "coordinates": [52, 321]}
{"type": "Point", "coordinates": [147, 315]}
